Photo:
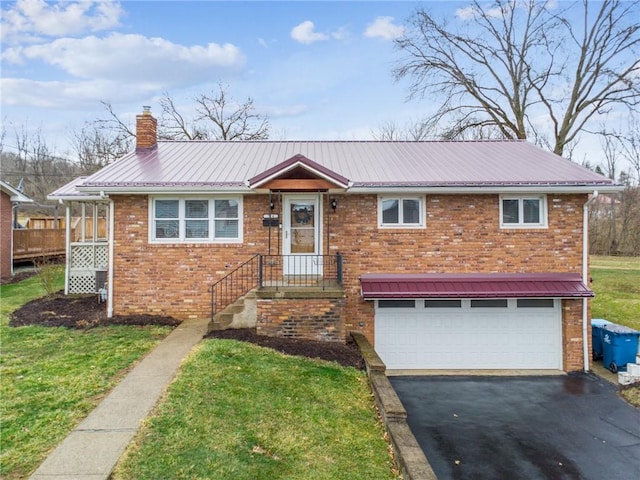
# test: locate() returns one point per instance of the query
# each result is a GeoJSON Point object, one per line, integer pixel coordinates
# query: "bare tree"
{"type": "Point", "coordinates": [217, 117]}
{"type": "Point", "coordinates": [631, 146]}
{"type": "Point", "coordinates": [114, 123]}
{"type": "Point", "coordinates": [96, 147]}
{"type": "Point", "coordinates": [516, 60]}
{"type": "Point", "coordinates": [36, 164]}
{"type": "Point", "coordinates": [413, 131]}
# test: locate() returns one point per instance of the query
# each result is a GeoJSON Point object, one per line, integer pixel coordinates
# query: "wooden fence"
{"type": "Point", "coordinates": [42, 242]}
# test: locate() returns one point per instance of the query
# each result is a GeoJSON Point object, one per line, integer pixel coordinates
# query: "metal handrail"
{"type": "Point", "coordinates": [276, 271]}
{"type": "Point", "coordinates": [235, 284]}
{"type": "Point", "coordinates": [300, 271]}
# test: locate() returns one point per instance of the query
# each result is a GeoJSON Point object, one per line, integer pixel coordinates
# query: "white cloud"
{"type": "Point", "coordinates": [131, 57]}
{"type": "Point", "coordinates": [383, 27]}
{"type": "Point", "coordinates": [304, 33]}
{"type": "Point", "coordinates": [99, 67]}
{"type": "Point", "coordinates": [26, 20]}
{"type": "Point", "coordinates": [70, 95]}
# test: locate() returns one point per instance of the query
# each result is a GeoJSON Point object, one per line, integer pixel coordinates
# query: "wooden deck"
{"type": "Point", "coordinates": [29, 244]}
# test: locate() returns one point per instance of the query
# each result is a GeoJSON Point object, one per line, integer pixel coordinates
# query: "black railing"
{"type": "Point", "coordinates": [300, 271]}
{"type": "Point", "coordinates": [235, 284]}
{"type": "Point", "coordinates": [276, 272]}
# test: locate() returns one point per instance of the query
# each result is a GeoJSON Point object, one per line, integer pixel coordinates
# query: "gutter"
{"type": "Point", "coordinates": [585, 276]}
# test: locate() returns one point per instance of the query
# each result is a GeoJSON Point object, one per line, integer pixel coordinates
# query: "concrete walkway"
{"type": "Point", "coordinates": [93, 448]}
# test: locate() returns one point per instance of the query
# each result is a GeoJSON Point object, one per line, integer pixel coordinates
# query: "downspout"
{"type": "Point", "coordinates": [585, 277]}
{"type": "Point", "coordinates": [67, 267]}
{"type": "Point", "coordinates": [111, 266]}
{"type": "Point", "coordinates": [14, 222]}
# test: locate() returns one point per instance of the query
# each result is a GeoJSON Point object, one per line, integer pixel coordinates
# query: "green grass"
{"type": "Point", "coordinates": [245, 412]}
{"type": "Point", "coordinates": [50, 378]}
{"type": "Point", "coordinates": [616, 282]}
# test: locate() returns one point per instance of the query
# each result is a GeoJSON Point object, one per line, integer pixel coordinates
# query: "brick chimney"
{"type": "Point", "coordinates": [146, 130]}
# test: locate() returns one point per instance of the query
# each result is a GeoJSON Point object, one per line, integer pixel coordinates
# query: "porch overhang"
{"type": "Point", "coordinates": [298, 173]}
{"type": "Point", "coordinates": [472, 285]}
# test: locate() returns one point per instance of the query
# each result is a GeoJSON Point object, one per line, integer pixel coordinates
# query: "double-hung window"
{"type": "Point", "coordinates": [401, 212]}
{"type": "Point", "coordinates": [175, 220]}
{"type": "Point", "coordinates": [523, 211]}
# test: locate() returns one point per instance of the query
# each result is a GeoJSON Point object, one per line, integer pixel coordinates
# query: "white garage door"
{"type": "Point", "coordinates": [469, 334]}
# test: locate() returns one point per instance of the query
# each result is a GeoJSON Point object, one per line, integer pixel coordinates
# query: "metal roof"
{"type": "Point", "coordinates": [70, 192]}
{"type": "Point", "coordinates": [472, 285]}
{"type": "Point", "coordinates": [368, 165]}
{"type": "Point", "coordinates": [14, 194]}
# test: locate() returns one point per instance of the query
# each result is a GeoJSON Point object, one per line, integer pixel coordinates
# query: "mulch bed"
{"type": "Point", "coordinates": [84, 311]}
{"type": "Point", "coordinates": [78, 311]}
{"type": "Point", "coordinates": [344, 354]}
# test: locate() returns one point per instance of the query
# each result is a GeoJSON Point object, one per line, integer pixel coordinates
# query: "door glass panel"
{"type": "Point", "coordinates": [303, 228]}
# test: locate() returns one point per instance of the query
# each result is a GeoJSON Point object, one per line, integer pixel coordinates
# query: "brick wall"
{"type": "Point", "coordinates": [6, 218]}
{"type": "Point", "coordinates": [320, 319]}
{"type": "Point", "coordinates": [462, 235]}
{"type": "Point", "coordinates": [175, 279]}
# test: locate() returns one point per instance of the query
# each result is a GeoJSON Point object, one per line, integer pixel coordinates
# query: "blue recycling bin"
{"type": "Point", "coordinates": [597, 325]}
{"type": "Point", "coordinates": [620, 346]}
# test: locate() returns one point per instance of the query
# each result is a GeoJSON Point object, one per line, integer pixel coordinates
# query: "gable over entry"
{"type": "Point", "coordinates": [299, 173]}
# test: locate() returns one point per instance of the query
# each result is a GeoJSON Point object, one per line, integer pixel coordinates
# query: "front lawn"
{"type": "Point", "coordinates": [51, 378]}
{"type": "Point", "coordinates": [242, 411]}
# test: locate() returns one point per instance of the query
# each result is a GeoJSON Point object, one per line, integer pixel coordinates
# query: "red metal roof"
{"type": "Point", "coordinates": [472, 285]}
{"type": "Point", "coordinates": [369, 165]}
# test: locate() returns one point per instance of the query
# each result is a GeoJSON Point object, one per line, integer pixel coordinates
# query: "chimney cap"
{"type": "Point", "coordinates": [146, 110]}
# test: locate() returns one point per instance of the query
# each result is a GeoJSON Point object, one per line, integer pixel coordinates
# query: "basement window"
{"type": "Point", "coordinates": [189, 220]}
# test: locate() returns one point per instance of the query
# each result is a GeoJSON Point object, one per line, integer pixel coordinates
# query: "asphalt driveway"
{"type": "Point", "coordinates": [555, 427]}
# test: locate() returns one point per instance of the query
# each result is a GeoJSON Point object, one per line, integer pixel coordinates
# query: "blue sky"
{"type": "Point", "coordinates": [320, 70]}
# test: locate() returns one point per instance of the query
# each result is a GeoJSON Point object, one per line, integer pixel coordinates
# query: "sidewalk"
{"type": "Point", "coordinates": [92, 450]}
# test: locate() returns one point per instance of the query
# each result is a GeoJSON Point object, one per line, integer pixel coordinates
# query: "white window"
{"type": "Point", "coordinates": [188, 220]}
{"type": "Point", "coordinates": [523, 212]}
{"type": "Point", "coordinates": [404, 212]}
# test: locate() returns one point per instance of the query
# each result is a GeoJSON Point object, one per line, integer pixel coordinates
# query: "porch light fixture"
{"type": "Point", "coordinates": [334, 204]}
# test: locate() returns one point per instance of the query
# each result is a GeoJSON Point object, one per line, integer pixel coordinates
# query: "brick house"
{"type": "Point", "coordinates": [9, 197]}
{"type": "Point", "coordinates": [446, 255]}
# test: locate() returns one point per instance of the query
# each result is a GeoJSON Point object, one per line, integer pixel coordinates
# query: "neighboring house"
{"type": "Point", "coordinates": [446, 255]}
{"type": "Point", "coordinates": [9, 198]}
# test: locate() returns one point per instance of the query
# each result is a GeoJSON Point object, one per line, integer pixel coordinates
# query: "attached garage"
{"type": "Point", "coordinates": [472, 321]}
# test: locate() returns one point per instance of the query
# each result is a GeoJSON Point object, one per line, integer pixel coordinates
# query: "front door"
{"type": "Point", "coordinates": [302, 234]}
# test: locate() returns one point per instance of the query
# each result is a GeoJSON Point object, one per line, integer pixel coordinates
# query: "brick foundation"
{"type": "Point", "coordinates": [319, 319]}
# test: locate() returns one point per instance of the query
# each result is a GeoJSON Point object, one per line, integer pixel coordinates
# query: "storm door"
{"type": "Point", "coordinates": [302, 235]}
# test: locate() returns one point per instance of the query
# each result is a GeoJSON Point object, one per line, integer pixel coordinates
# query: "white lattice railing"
{"type": "Point", "coordinates": [87, 261]}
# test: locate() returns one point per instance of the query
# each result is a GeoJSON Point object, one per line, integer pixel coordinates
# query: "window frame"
{"type": "Point", "coordinates": [182, 220]}
{"type": "Point", "coordinates": [400, 198]}
{"type": "Point", "coordinates": [543, 220]}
